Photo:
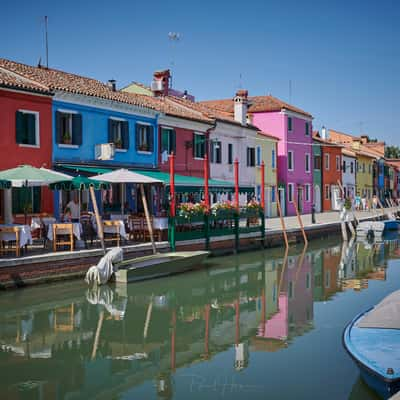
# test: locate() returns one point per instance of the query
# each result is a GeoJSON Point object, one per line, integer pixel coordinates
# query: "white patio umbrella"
{"type": "Point", "coordinates": [125, 176]}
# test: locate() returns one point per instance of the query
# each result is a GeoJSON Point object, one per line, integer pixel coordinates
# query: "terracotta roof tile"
{"type": "Point", "coordinates": [65, 81]}
{"type": "Point", "coordinates": [256, 104]}
{"type": "Point", "coordinates": [14, 81]}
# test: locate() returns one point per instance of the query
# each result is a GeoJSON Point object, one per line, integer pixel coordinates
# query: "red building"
{"type": "Point", "coordinates": [25, 137]}
{"type": "Point", "coordinates": [331, 168]}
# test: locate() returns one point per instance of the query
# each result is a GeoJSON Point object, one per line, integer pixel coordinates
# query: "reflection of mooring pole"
{"type": "Point", "coordinates": [237, 315]}
{"type": "Point", "coordinates": [97, 336]}
{"type": "Point", "coordinates": [173, 356]}
{"type": "Point", "coordinates": [148, 317]}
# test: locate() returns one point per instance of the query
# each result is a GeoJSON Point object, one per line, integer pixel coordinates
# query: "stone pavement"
{"type": "Point", "coordinates": [326, 218]}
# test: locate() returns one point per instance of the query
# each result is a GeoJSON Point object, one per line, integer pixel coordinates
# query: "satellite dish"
{"type": "Point", "coordinates": [174, 36]}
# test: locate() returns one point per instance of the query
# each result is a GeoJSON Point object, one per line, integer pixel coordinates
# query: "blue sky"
{"type": "Point", "coordinates": [341, 56]}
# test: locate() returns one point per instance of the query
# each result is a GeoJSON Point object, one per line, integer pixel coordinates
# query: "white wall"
{"type": "Point", "coordinates": [348, 178]}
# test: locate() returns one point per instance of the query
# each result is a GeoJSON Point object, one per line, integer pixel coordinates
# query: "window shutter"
{"type": "Point", "coordinates": [173, 141]}
{"type": "Point", "coordinates": [194, 145]}
{"type": "Point", "coordinates": [125, 134]}
{"type": "Point", "coordinates": [19, 126]}
{"type": "Point", "coordinates": [77, 129]}
{"type": "Point", "coordinates": [110, 130]}
{"type": "Point", "coordinates": [248, 157]}
{"type": "Point", "coordinates": [219, 152]}
{"type": "Point", "coordinates": [31, 136]}
{"type": "Point", "coordinates": [137, 137]}
{"type": "Point", "coordinates": [58, 127]}
{"type": "Point", "coordinates": [212, 146]}
{"type": "Point", "coordinates": [150, 137]}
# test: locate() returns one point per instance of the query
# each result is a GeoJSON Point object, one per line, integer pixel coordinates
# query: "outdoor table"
{"type": "Point", "coordinates": [160, 223]}
{"type": "Point", "coordinates": [113, 229]}
{"type": "Point", "coordinates": [76, 229]}
{"type": "Point", "coordinates": [25, 236]}
{"type": "Point", "coordinates": [114, 217]}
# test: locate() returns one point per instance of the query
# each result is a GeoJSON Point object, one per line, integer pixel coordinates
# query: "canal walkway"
{"type": "Point", "coordinates": [44, 266]}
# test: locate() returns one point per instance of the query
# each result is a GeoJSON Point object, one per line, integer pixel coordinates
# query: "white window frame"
{"type": "Point", "coordinates": [290, 192]}
{"type": "Point", "coordinates": [308, 193]}
{"type": "Point", "coordinates": [120, 120]}
{"type": "Point", "coordinates": [337, 163]}
{"type": "Point", "coordinates": [308, 164]}
{"type": "Point", "coordinates": [63, 145]}
{"type": "Point", "coordinates": [205, 146]}
{"type": "Point", "coordinates": [292, 156]}
{"type": "Point", "coordinates": [143, 151]}
{"type": "Point", "coordinates": [327, 161]}
{"type": "Point", "coordinates": [329, 192]}
{"type": "Point", "coordinates": [291, 127]}
{"type": "Point", "coordinates": [37, 129]}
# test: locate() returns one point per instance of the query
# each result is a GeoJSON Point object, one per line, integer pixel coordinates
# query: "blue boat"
{"type": "Point", "coordinates": [372, 339]}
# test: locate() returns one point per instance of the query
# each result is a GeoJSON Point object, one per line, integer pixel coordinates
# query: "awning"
{"type": "Point", "coordinates": [183, 183]}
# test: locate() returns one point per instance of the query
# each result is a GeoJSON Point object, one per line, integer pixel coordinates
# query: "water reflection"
{"type": "Point", "coordinates": [65, 341]}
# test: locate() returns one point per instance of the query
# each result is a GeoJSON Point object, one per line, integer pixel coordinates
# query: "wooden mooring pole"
{"type": "Point", "coordinates": [278, 203]}
{"type": "Point", "coordinates": [300, 222]}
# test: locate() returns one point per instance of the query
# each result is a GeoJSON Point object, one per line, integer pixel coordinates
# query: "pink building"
{"type": "Point", "coordinates": [293, 127]}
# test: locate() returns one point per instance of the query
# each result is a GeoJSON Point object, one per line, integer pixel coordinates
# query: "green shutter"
{"type": "Point", "coordinates": [194, 144]}
{"type": "Point", "coordinates": [77, 129]}
{"type": "Point", "coordinates": [19, 126]}
{"type": "Point", "coordinates": [173, 141]}
{"type": "Point", "coordinates": [110, 130]}
{"type": "Point", "coordinates": [125, 134]}
{"type": "Point", "coordinates": [150, 137]}
{"type": "Point", "coordinates": [164, 140]}
{"type": "Point", "coordinates": [31, 131]}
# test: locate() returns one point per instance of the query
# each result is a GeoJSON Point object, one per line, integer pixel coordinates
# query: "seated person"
{"type": "Point", "coordinates": [67, 215]}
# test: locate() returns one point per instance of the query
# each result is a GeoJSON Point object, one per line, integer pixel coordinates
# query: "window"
{"type": "Point", "coordinates": [258, 155]}
{"type": "Point", "coordinates": [369, 168]}
{"type": "Point", "coordinates": [251, 156]}
{"type": "Point", "coordinates": [327, 161]}
{"type": "Point", "coordinates": [317, 162]}
{"type": "Point", "coordinates": [289, 124]}
{"type": "Point", "coordinates": [327, 192]}
{"type": "Point", "coordinates": [258, 192]}
{"type": "Point", "coordinates": [215, 152]}
{"type": "Point", "coordinates": [307, 162]}
{"type": "Point", "coordinates": [199, 145]}
{"type": "Point", "coordinates": [337, 163]}
{"type": "Point", "coordinates": [144, 137]}
{"type": "Point", "coordinates": [27, 128]}
{"type": "Point", "coordinates": [363, 168]}
{"type": "Point", "coordinates": [273, 161]}
{"type": "Point", "coordinates": [290, 160]}
{"type": "Point", "coordinates": [308, 192]}
{"type": "Point", "coordinates": [290, 192]}
{"type": "Point", "coordinates": [168, 141]}
{"type": "Point", "coordinates": [352, 167]}
{"type": "Point", "coordinates": [307, 129]}
{"type": "Point", "coordinates": [344, 166]}
{"type": "Point", "coordinates": [230, 153]}
{"type": "Point", "coordinates": [118, 133]}
{"type": "Point", "coordinates": [68, 128]}
{"type": "Point", "coordinates": [273, 194]}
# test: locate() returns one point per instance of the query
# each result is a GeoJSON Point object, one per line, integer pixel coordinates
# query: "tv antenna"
{"type": "Point", "coordinates": [173, 37]}
{"type": "Point", "coordinates": [47, 40]}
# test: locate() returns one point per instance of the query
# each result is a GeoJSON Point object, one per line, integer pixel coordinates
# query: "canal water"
{"type": "Point", "coordinates": [261, 325]}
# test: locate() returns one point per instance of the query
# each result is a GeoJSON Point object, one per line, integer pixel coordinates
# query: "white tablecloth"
{"type": "Point", "coordinates": [37, 222]}
{"type": "Point", "coordinates": [113, 229]}
{"type": "Point", "coordinates": [25, 236]}
{"type": "Point", "coordinates": [76, 229]}
{"type": "Point", "coordinates": [114, 217]}
{"type": "Point", "coordinates": [160, 223]}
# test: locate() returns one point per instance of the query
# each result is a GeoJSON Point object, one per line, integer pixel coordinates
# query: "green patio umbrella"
{"type": "Point", "coordinates": [82, 182]}
{"type": "Point", "coordinates": [25, 176]}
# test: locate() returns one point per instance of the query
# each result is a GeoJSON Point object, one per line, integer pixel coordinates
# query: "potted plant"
{"type": "Point", "coordinates": [118, 143]}
{"type": "Point", "coordinates": [67, 138]}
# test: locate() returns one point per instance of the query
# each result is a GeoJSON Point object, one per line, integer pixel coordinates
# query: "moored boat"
{"type": "Point", "coordinates": [372, 339]}
{"type": "Point", "coordinates": [158, 265]}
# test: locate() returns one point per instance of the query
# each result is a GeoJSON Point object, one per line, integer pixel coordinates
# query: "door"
{"type": "Point", "coordinates": [317, 198]}
{"type": "Point", "coordinates": [282, 200]}
{"type": "Point", "coordinates": [300, 199]}
{"type": "Point", "coordinates": [335, 200]}
{"type": "Point", "coordinates": [268, 201]}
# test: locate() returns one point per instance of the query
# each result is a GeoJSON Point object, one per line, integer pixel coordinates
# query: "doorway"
{"type": "Point", "coordinates": [317, 198]}
{"type": "Point", "coordinates": [282, 200]}
{"type": "Point", "coordinates": [300, 199]}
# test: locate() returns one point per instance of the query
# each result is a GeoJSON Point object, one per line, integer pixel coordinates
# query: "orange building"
{"type": "Point", "coordinates": [331, 168]}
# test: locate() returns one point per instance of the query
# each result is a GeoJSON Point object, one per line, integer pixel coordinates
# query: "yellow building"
{"type": "Point", "coordinates": [267, 151]}
{"type": "Point", "coordinates": [364, 172]}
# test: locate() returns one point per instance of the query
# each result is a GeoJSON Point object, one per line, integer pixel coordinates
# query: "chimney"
{"type": "Point", "coordinates": [160, 84]}
{"type": "Point", "coordinates": [324, 133]}
{"type": "Point", "coordinates": [364, 139]}
{"type": "Point", "coordinates": [112, 84]}
{"type": "Point", "coordinates": [240, 106]}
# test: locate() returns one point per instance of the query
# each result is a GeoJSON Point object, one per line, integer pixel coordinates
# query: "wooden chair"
{"type": "Point", "coordinates": [64, 319]}
{"type": "Point", "coordinates": [13, 244]}
{"type": "Point", "coordinates": [88, 230]}
{"type": "Point", "coordinates": [115, 235]}
{"type": "Point", "coordinates": [146, 232]}
{"type": "Point", "coordinates": [66, 234]}
{"type": "Point", "coordinates": [135, 228]}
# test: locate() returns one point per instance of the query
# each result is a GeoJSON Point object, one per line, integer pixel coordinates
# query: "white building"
{"type": "Point", "coordinates": [349, 172]}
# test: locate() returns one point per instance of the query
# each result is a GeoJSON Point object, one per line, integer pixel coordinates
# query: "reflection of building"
{"type": "Point", "coordinates": [331, 259]}
{"type": "Point", "coordinates": [241, 356]}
